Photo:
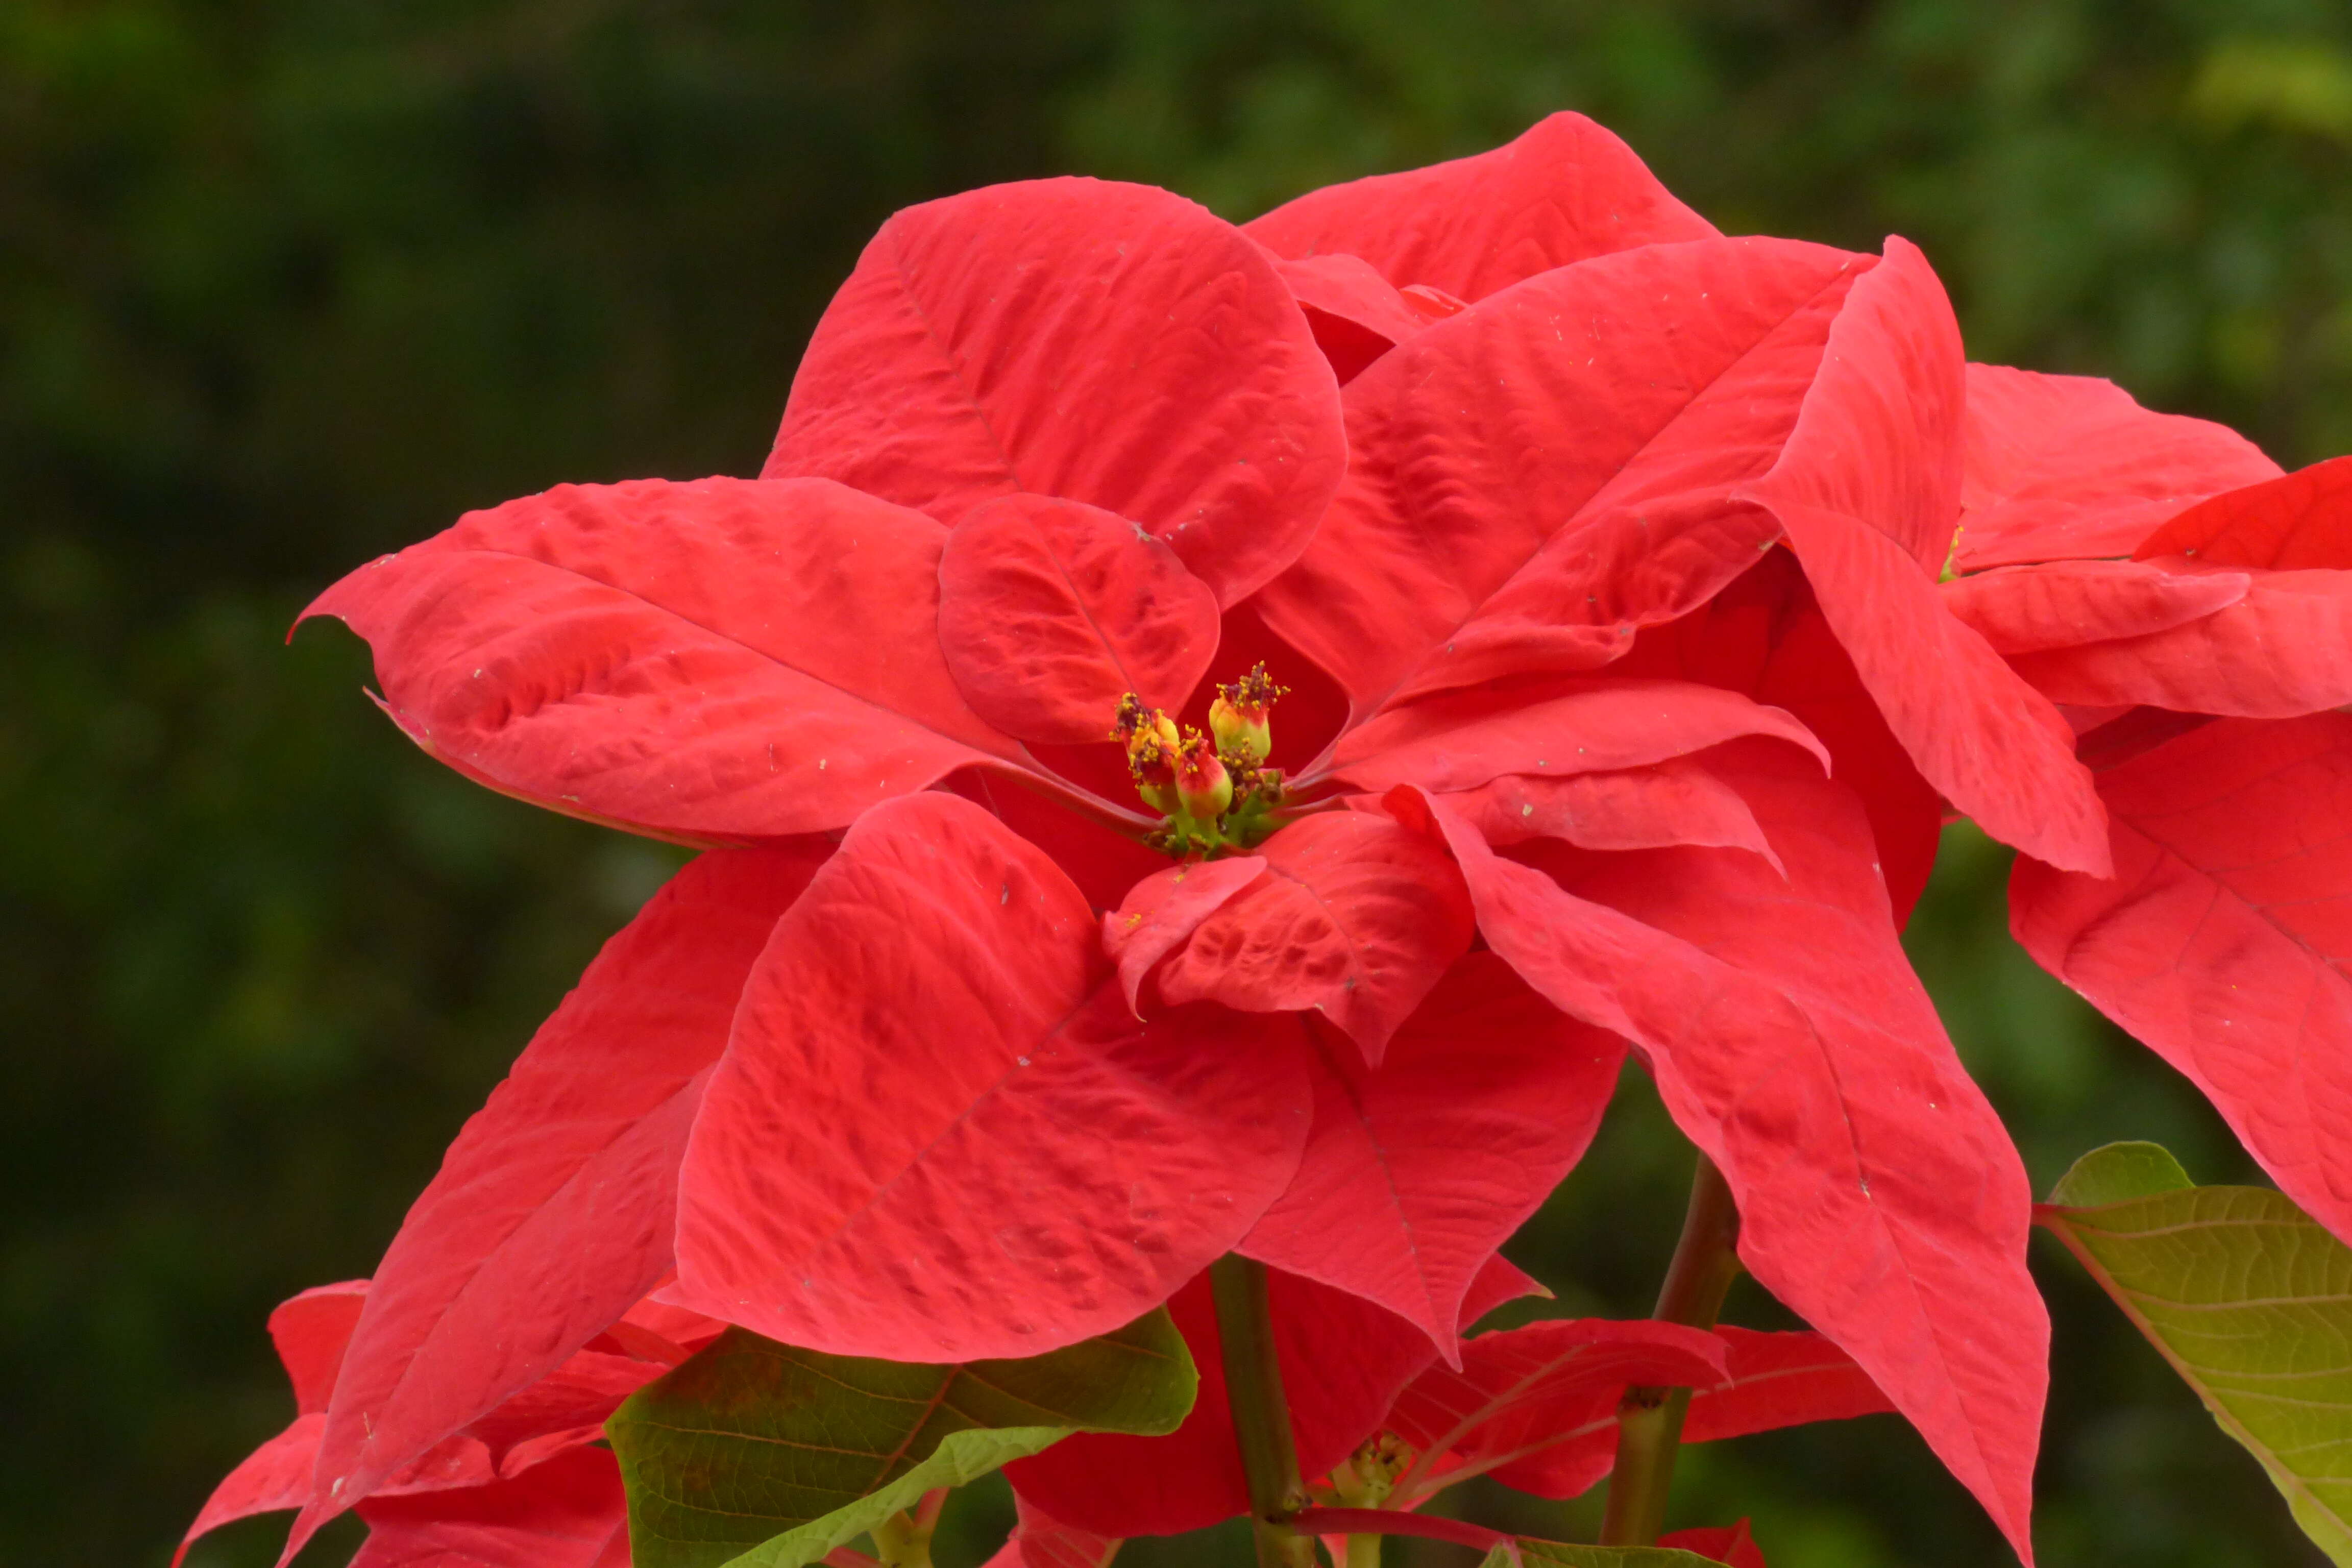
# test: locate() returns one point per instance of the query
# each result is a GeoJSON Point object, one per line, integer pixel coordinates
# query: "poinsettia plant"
{"type": "Point", "coordinates": [1210, 749]}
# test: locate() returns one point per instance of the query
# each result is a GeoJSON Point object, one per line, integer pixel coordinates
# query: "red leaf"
{"type": "Point", "coordinates": [1868, 489]}
{"type": "Point", "coordinates": [1050, 611]}
{"type": "Point", "coordinates": [1418, 1169]}
{"type": "Point", "coordinates": [1775, 1380]}
{"type": "Point", "coordinates": [311, 1330]}
{"type": "Point", "coordinates": [1343, 1361]}
{"type": "Point", "coordinates": [1564, 191]}
{"type": "Point", "coordinates": [2281, 650]}
{"type": "Point", "coordinates": [561, 1411]}
{"type": "Point", "coordinates": [1521, 1390]}
{"type": "Point", "coordinates": [1878, 1194]}
{"type": "Point", "coordinates": [2066, 467]}
{"type": "Point", "coordinates": [2300, 522]}
{"type": "Point", "coordinates": [721, 662]}
{"type": "Point", "coordinates": [1103, 861]}
{"type": "Point", "coordinates": [1465, 739]}
{"type": "Point", "coordinates": [2222, 941]}
{"type": "Point", "coordinates": [1726, 1543]}
{"type": "Point", "coordinates": [1110, 343]}
{"type": "Point", "coordinates": [552, 1212]}
{"type": "Point", "coordinates": [1674, 802]}
{"type": "Point", "coordinates": [1535, 478]}
{"type": "Point", "coordinates": [567, 1513]}
{"type": "Point", "coordinates": [1764, 635]}
{"type": "Point", "coordinates": [1353, 917]}
{"type": "Point", "coordinates": [937, 1135]}
{"type": "Point", "coordinates": [2025, 609]}
{"type": "Point", "coordinates": [1039, 1541]}
{"type": "Point", "coordinates": [1164, 908]}
{"type": "Point", "coordinates": [1356, 314]}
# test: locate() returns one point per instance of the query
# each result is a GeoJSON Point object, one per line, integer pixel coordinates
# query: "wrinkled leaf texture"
{"type": "Point", "coordinates": [1352, 916]}
{"type": "Point", "coordinates": [2222, 941]}
{"type": "Point", "coordinates": [1879, 1196]}
{"type": "Point", "coordinates": [1051, 611]}
{"type": "Point", "coordinates": [938, 1132]}
{"type": "Point", "coordinates": [552, 1212]}
{"type": "Point", "coordinates": [1417, 1170]}
{"type": "Point", "coordinates": [720, 661]}
{"type": "Point", "coordinates": [1564, 191]}
{"type": "Point", "coordinates": [2067, 467]}
{"type": "Point", "coordinates": [2246, 1297]}
{"type": "Point", "coordinates": [774, 1456]}
{"type": "Point", "coordinates": [1105, 343]}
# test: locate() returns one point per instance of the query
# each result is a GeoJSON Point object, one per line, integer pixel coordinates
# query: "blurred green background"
{"type": "Point", "coordinates": [287, 283]}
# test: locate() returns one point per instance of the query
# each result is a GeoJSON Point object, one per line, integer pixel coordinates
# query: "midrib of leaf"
{"type": "Point", "coordinates": [2322, 1519]}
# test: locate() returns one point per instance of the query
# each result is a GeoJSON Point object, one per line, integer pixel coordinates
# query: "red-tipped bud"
{"type": "Point", "coordinates": [1239, 717]}
{"type": "Point", "coordinates": [1154, 754]}
{"type": "Point", "coordinates": [1202, 787]}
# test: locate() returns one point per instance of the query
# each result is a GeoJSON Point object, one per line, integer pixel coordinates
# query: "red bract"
{"type": "Point", "coordinates": [517, 1486]}
{"type": "Point", "coordinates": [2218, 942]}
{"type": "Point", "coordinates": [1627, 709]}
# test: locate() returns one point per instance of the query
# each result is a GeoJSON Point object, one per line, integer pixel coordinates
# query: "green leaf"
{"type": "Point", "coordinates": [770, 1457]}
{"type": "Point", "coordinates": [2247, 1296]}
{"type": "Point", "coordinates": [2118, 1173]}
{"type": "Point", "coordinates": [1551, 1552]}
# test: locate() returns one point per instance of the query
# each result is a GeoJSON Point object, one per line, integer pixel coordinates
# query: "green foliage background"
{"type": "Point", "coordinates": [287, 283]}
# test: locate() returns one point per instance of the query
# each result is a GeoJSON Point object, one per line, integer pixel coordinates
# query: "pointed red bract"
{"type": "Point", "coordinates": [2224, 940]}
{"type": "Point", "coordinates": [1110, 343]}
{"type": "Point", "coordinates": [552, 1212]}
{"type": "Point", "coordinates": [2066, 467]}
{"type": "Point", "coordinates": [2026, 609]}
{"type": "Point", "coordinates": [2282, 650]}
{"type": "Point", "coordinates": [722, 661]}
{"type": "Point", "coordinates": [567, 1513]}
{"type": "Point", "coordinates": [1675, 802]}
{"type": "Point", "coordinates": [1051, 611]}
{"type": "Point", "coordinates": [1564, 191]}
{"type": "Point", "coordinates": [1771, 1381]}
{"type": "Point", "coordinates": [2301, 521]}
{"type": "Point", "coordinates": [1352, 917]}
{"type": "Point", "coordinates": [311, 1330]}
{"type": "Point", "coordinates": [1343, 1361]}
{"type": "Point", "coordinates": [1730, 1545]}
{"type": "Point", "coordinates": [1465, 739]}
{"type": "Point", "coordinates": [1534, 480]}
{"type": "Point", "coordinates": [939, 1134]}
{"type": "Point", "coordinates": [1039, 1541]}
{"type": "Point", "coordinates": [1355, 314]}
{"type": "Point", "coordinates": [1868, 489]}
{"type": "Point", "coordinates": [1765, 637]}
{"type": "Point", "coordinates": [1520, 1391]}
{"type": "Point", "coordinates": [1878, 1194]}
{"type": "Point", "coordinates": [1164, 908]}
{"type": "Point", "coordinates": [1417, 1170]}
{"type": "Point", "coordinates": [560, 1413]}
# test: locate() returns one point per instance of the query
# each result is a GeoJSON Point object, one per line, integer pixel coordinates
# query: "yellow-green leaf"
{"type": "Point", "coordinates": [2247, 1296]}
{"type": "Point", "coordinates": [765, 1455]}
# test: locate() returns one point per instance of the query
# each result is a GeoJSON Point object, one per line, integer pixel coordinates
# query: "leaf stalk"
{"type": "Point", "coordinates": [1650, 1420]}
{"type": "Point", "coordinates": [1261, 1413]}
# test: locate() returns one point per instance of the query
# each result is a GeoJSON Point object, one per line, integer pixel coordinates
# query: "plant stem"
{"type": "Point", "coordinates": [1650, 1420]}
{"type": "Point", "coordinates": [904, 1540]}
{"type": "Point", "coordinates": [1261, 1413]}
